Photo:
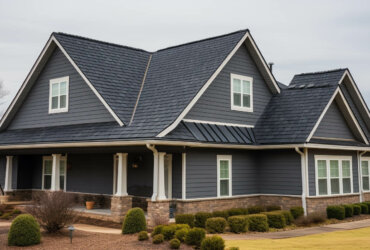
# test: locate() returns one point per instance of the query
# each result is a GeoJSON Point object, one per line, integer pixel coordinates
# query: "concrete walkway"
{"type": "Point", "coordinates": [96, 229]}
{"type": "Point", "coordinates": [300, 232]}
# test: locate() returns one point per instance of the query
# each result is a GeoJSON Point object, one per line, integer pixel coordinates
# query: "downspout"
{"type": "Point", "coordinates": [303, 173]}
{"type": "Point", "coordinates": [155, 170]}
{"type": "Point", "coordinates": [360, 187]}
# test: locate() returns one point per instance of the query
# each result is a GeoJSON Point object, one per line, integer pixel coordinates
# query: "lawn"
{"type": "Point", "coordinates": [351, 239]}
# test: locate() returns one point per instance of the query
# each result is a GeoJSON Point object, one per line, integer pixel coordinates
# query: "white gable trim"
{"type": "Point", "coordinates": [215, 74]}
{"type": "Point", "coordinates": [348, 109]}
{"type": "Point", "coordinates": [26, 82]}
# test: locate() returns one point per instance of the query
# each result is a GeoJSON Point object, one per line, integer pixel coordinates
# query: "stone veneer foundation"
{"type": "Point", "coordinates": [119, 207]}
{"type": "Point", "coordinates": [158, 212]}
{"type": "Point", "coordinates": [319, 204]}
{"type": "Point", "coordinates": [367, 196]}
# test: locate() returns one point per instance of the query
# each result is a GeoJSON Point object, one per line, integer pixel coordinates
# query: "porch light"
{"type": "Point", "coordinates": [135, 165]}
{"type": "Point", "coordinates": [71, 229]}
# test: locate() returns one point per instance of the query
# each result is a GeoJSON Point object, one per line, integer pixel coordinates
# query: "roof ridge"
{"type": "Point", "coordinates": [100, 41]}
{"type": "Point", "coordinates": [321, 72]}
{"type": "Point", "coordinates": [204, 39]}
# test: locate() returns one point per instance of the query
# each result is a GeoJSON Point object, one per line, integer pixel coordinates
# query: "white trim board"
{"type": "Point", "coordinates": [246, 37]}
{"type": "Point", "coordinates": [219, 123]}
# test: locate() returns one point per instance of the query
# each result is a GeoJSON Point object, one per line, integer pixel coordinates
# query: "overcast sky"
{"type": "Point", "coordinates": [298, 36]}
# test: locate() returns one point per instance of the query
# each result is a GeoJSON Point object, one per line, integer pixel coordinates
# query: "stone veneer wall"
{"type": "Point", "coordinates": [119, 207]}
{"type": "Point", "coordinates": [158, 212]}
{"type": "Point", "coordinates": [319, 204]}
{"type": "Point", "coordinates": [367, 196]}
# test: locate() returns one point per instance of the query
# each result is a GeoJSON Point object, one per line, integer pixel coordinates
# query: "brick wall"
{"type": "Point", "coordinates": [158, 212]}
{"type": "Point", "coordinates": [319, 204]}
{"type": "Point", "coordinates": [367, 196]}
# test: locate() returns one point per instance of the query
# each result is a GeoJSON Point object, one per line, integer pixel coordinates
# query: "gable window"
{"type": "Point", "coordinates": [58, 95]}
{"type": "Point", "coordinates": [365, 175]}
{"type": "Point", "coordinates": [224, 177]}
{"type": "Point", "coordinates": [241, 93]}
{"type": "Point", "coordinates": [47, 169]}
{"type": "Point", "coordinates": [333, 175]}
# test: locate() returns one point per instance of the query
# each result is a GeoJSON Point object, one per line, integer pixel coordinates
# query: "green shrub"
{"type": "Point", "coordinates": [367, 203]}
{"type": "Point", "coordinates": [213, 243]}
{"type": "Point", "coordinates": [169, 232]}
{"type": "Point", "coordinates": [364, 208]}
{"type": "Point", "coordinates": [297, 212]}
{"type": "Point", "coordinates": [223, 214]}
{"type": "Point", "coordinates": [236, 211]}
{"type": "Point", "coordinates": [336, 212]}
{"type": "Point", "coordinates": [348, 210]}
{"type": "Point", "coordinates": [216, 225]}
{"type": "Point", "coordinates": [158, 239]}
{"type": "Point", "coordinates": [256, 209]}
{"type": "Point", "coordinates": [16, 211]}
{"type": "Point", "coordinates": [288, 217]}
{"type": "Point", "coordinates": [134, 221]}
{"type": "Point", "coordinates": [185, 219]}
{"type": "Point", "coordinates": [201, 218]}
{"type": "Point", "coordinates": [180, 234]}
{"type": "Point", "coordinates": [272, 208]}
{"type": "Point", "coordinates": [356, 209]}
{"type": "Point", "coordinates": [175, 244]}
{"type": "Point", "coordinates": [181, 226]}
{"type": "Point", "coordinates": [6, 216]}
{"type": "Point", "coordinates": [258, 222]}
{"type": "Point", "coordinates": [195, 236]}
{"type": "Point", "coordinates": [275, 219]}
{"type": "Point", "coordinates": [310, 219]}
{"type": "Point", "coordinates": [233, 248]}
{"type": "Point", "coordinates": [238, 223]}
{"type": "Point", "coordinates": [157, 230]}
{"type": "Point", "coordinates": [143, 235]}
{"type": "Point", "coordinates": [24, 231]}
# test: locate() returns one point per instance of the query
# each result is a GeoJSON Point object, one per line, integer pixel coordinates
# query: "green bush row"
{"type": "Point", "coordinates": [347, 210]}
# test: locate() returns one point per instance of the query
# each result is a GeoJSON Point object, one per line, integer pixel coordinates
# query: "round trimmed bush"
{"type": "Point", "coordinates": [143, 235]}
{"type": "Point", "coordinates": [216, 225]}
{"type": "Point", "coordinates": [297, 212]}
{"type": "Point", "coordinates": [256, 209]}
{"type": "Point", "coordinates": [335, 212]}
{"type": "Point", "coordinates": [235, 211]}
{"type": "Point", "coordinates": [238, 223]}
{"type": "Point", "coordinates": [180, 234]}
{"type": "Point", "coordinates": [158, 239]}
{"type": "Point", "coordinates": [175, 244]}
{"type": "Point", "coordinates": [181, 226]}
{"type": "Point", "coordinates": [213, 243]}
{"type": "Point", "coordinates": [157, 230]}
{"type": "Point", "coordinates": [276, 219]}
{"type": "Point", "coordinates": [134, 221]}
{"type": "Point", "coordinates": [195, 236]}
{"type": "Point", "coordinates": [201, 218]}
{"type": "Point", "coordinates": [273, 208]}
{"type": "Point", "coordinates": [356, 209]}
{"type": "Point", "coordinates": [288, 217]}
{"type": "Point", "coordinates": [367, 203]}
{"type": "Point", "coordinates": [185, 219]}
{"type": "Point", "coordinates": [169, 232]}
{"type": "Point", "coordinates": [348, 210]}
{"type": "Point", "coordinates": [257, 222]}
{"type": "Point", "coordinates": [364, 208]}
{"type": "Point", "coordinates": [223, 214]}
{"type": "Point", "coordinates": [24, 231]}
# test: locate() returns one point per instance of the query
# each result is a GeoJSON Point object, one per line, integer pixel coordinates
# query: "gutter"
{"type": "Point", "coordinates": [304, 178]}
{"type": "Point", "coordinates": [155, 170]}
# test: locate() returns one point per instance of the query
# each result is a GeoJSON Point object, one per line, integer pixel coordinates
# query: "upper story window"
{"type": "Point", "coordinates": [241, 93]}
{"type": "Point", "coordinates": [58, 95]}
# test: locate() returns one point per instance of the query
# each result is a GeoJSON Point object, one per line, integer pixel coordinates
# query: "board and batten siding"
{"type": "Point", "coordinates": [84, 105]}
{"type": "Point", "coordinates": [334, 125]}
{"type": "Point", "coordinates": [215, 103]}
{"type": "Point", "coordinates": [311, 167]}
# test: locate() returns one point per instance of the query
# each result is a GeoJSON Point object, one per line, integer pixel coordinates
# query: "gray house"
{"type": "Point", "coordinates": [196, 127]}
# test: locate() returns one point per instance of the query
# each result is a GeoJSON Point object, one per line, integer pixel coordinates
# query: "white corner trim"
{"type": "Point", "coordinates": [183, 175]}
{"type": "Point", "coordinates": [219, 123]}
{"type": "Point", "coordinates": [210, 80]}
{"type": "Point", "coordinates": [88, 82]}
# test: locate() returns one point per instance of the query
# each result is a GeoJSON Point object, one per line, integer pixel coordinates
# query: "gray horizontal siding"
{"type": "Point", "coordinates": [333, 125]}
{"type": "Point", "coordinates": [215, 103]}
{"type": "Point", "coordinates": [84, 106]}
{"type": "Point", "coordinates": [311, 166]}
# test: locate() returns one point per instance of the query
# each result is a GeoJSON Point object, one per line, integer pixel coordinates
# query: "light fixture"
{"type": "Point", "coordinates": [71, 229]}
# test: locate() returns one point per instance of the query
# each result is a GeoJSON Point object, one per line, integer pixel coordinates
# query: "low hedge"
{"type": "Point", "coordinates": [256, 209]}
{"type": "Point", "coordinates": [213, 243]}
{"type": "Point", "coordinates": [223, 214]}
{"type": "Point", "coordinates": [181, 226]}
{"type": "Point", "coordinates": [297, 212]}
{"type": "Point", "coordinates": [180, 234]}
{"type": "Point", "coordinates": [158, 239]}
{"type": "Point", "coordinates": [157, 230]}
{"type": "Point", "coordinates": [185, 219]}
{"type": "Point", "coordinates": [367, 203]}
{"type": "Point", "coordinates": [143, 235]}
{"type": "Point", "coordinates": [335, 212]}
{"type": "Point", "coordinates": [169, 232]}
{"type": "Point", "coordinates": [257, 222]}
{"type": "Point", "coordinates": [273, 208]}
{"type": "Point", "coordinates": [201, 218]}
{"type": "Point", "coordinates": [216, 225]}
{"type": "Point", "coordinates": [364, 208]}
{"type": "Point", "coordinates": [195, 236]}
{"type": "Point", "coordinates": [237, 211]}
{"type": "Point", "coordinates": [238, 223]}
{"type": "Point", "coordinates": [276, 219]}
{"type": "Point", "coordinates": [175, 244]}
{"type": "Point", "coordinates": [288, 217]}
{"type": "Point", "coordinates": [356, 209]}
{"type": "Point", "coordinates": [134, 221]}
{"type": "Point", "coordinates": [24, 231]}
{"type": "Point", "coordinates": [348, 210]}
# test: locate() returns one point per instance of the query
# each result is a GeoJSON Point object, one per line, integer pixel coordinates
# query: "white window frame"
{"type": "Point", "coordinates": [50, 158]}
{"type": "Point", "coordinates": [329, 158]}
{"type": "Point", "coordinates": [241, 78]}
{"type": "Point", "coordinates": [362, 174]}
{"type": "Point", "coordinates": [224, 158]}
{"type": "Point", "coordinates": [59, 80]}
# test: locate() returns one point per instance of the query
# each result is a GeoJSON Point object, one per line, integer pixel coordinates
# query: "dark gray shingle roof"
{"type": "Point", "coordinates": [323, 78]}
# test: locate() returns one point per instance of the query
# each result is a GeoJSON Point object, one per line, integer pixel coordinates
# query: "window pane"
{"type": "Point", "coordinates": [224, 187]}
{"type": "Point", "coordinates": [346, 170]}
{"type": "Point", "coordinates": [62, 167]}
{"type": "Point", "coordinates": [48, 167]}
{"type": "Point", "coordinates": [334, 186]}
{"type": "Point", "coordinates": [246, 101]}
{"type": "Point", "coordinates": [365, 183]}
{"type": "Point", "coordinates": [321, 166]}
{"type": "Point", "coordinates": [55, 89]}
{"type": "Point", "coordinates": [365, 167]}
{"type": "Point", "coordinates": [237, 86]}
{"type": "Point", "coordinates": [346, 185]}
{"type": "Point", "coordinates": [61, 182]}
{"type": "Point", "coordinates": [224, 169]}
{"type": "Point", "coordinates": [334, 169]}
{"type": "Point", "coordinates": [63, 88]}
{"type": "Point", "coordinates": [246, 87]}
{"type": "Point", "coordinates": [54, 102]}
{"type": "Point", "coordinates": [47, 181]}
{"type": "Point", "coordinates": [237, 100]}
{"type": "Point", "coordinates": [63, 101]}
{"type": "Point", "coordinates": [323, 187]}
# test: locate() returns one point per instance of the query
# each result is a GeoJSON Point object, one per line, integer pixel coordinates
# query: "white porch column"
{"type": "Point", "coordinates": [161, 181]}
{"type": "Point", "coordinates": [155, 176]}
{"type": "Point", "coordinates": [55, 173]}
{"type": "Point", "coordinates": [183, 174]}
{"type": "Point", "coordinates": [122, 175]}
{"type": "Point", "coordinates": [8, 173]}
